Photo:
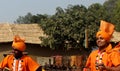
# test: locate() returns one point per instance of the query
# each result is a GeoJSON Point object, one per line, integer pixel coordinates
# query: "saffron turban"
{"type": "Point", "coordinates": [18, 43]}
{"type": "Point", "coordinates": [106, 30]}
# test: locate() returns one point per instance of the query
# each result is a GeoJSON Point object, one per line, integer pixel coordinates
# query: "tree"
{"type": "Point", "coordinates": [29, 18]}
{"type": "Point", "coordinates": [67, 26]}
{"type": "Point", "coordinates": [26, 19]}
{"type": "Point", "coordinates": [63, 27]}
{"type": "Point", "coordinates": [115, 15]}
{"type": "Point", "coordinates": [112, 8]}
{"type": "Point", "coordinates": [95, 13]}
{"type": "Point", "coordinates": [38, 18]}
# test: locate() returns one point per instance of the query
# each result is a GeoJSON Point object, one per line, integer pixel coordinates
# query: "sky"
{"type": "Point", "coordinates": [10, 10]}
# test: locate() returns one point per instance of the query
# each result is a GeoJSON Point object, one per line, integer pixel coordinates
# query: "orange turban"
{"type": "Point", "coordinates": [106, 30]}
{"type": "Point", "coordinates": [18, 44]}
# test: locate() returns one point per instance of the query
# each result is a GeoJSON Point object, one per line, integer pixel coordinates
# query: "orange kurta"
{"type": "Point", "coordinates": [110, 58]}
{"type": "Point", "coordinates": [23, 64]}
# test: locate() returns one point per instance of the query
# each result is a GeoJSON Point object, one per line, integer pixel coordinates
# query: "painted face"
{"type": "Point", "coordinates": [101, 42]}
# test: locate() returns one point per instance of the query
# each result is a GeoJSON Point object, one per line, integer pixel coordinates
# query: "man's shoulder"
{"type": "Point", "coordinates": [26, 57]}
{"type": "Point", "coordinates": [94, 51]}
{"type": "Point", "coordinates": [114, 50]}
{"type": "Point", "coordinates": [9, 57]}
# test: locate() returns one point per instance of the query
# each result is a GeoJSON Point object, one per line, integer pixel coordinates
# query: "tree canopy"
{"type": "Point", "coordinates": [66, 28]}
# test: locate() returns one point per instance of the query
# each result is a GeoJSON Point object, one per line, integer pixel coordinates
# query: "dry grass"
{"type": "Point", "coordinates": [30, 32]}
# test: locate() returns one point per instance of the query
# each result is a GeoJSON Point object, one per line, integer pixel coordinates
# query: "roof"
{"type": "Point", "coordinates": [30, 32]}
{"type": "Point", "coordinates": [116, 37]}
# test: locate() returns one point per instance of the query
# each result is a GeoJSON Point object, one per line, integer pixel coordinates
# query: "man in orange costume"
{"type": "Point", "coordinates": [105, 58]}
{"type": "Point", "coordinates": [18, 61]}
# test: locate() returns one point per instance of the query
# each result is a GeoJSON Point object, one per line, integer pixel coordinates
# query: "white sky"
{"type": "Point", "coordinates": [10, 10]}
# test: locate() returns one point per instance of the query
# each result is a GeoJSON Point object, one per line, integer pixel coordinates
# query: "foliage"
{"type": "Point", "coordinates": [29, 18]}
{"type": "Point", "coordinates": [116, 15]}
{"type": "Point", "coordinates": [64, 25]}
{"type": "Point", "coordinates": [26, 19]}
{"type": "Point", "coordinates": [66, 28]}
{"type": "Point", "coordinates": [112, 8]}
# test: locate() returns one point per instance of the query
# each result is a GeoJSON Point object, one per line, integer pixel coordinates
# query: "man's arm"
{"type": "Point", "coordinates": [117, 68]}
{"type": "Point", "coordinates": [4, 63]}
{"type": "Point", "coordinates": [103, 67]}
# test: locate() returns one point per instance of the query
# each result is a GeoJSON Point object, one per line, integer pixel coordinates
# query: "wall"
{"type": "Point", "coordinates": [38, 52]}
{"type": "Point", "coordinates": [4, 48]}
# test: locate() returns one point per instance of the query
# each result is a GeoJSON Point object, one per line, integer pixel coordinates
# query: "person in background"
{"type": "Point", "coordinates": [18, 61]}
{"type": "Point", "coordinates": [104, 58]}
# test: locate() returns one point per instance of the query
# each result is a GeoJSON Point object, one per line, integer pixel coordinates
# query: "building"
{"type": "Point", "coordinates": [116, 37]}
{"type": "Point", "coordinates": [31, 34]}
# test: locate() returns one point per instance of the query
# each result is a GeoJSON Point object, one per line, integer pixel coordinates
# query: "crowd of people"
{"type": "Point", "coordinates": [105, 58]}
{"type": "Point", "coordinates": [63, 67]}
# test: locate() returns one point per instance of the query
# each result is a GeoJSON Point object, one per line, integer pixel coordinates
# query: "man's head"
{"type": "Point", "coordinates": [101, 41]}
{"type": "Point", "coordinates": [18, 46]}
{"type": "Point", "coordinates": [104, 35]}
